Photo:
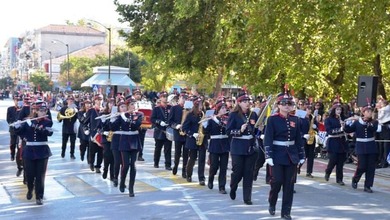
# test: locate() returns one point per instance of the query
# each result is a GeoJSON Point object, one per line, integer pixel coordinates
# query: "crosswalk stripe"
{"type": "Point", "coordinates": [4, 197]}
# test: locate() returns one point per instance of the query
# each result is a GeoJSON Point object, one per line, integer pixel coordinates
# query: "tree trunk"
{"type": "Point", "coordinates": [378, 72]}
{"type": "Point", "coordinates": [218, 83]}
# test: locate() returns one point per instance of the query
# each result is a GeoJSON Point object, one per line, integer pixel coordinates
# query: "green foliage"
{"type": "Point", "coordinates": [41, 81]}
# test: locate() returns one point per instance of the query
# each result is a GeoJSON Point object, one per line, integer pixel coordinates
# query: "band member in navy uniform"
{"type": "Point", "coordinates": [365, 129]}
{"type": "Point", "coordinates": [129, 143]}
{"type": "Point", "coordinates": [241, 129]}
{"type": "Point", "coordinates": [12, 116]}
{"type": "Point", "coordinates": [219, 146]}
{"type": "Point", "coordinates": [159, 119]}
{"type": "Point", "coordinates": [336, 143]}
{"type": "Point", "coordinates": [142, 132]}
{"type": "Point", "coordinates": [36, 152]}
{"type": "Point", "coordinates": [95, 126]}
{"type": "Point", "coordinates": [68, 117]}
{"type": "Point", "coordinates": [194, 141]}
{"type": "Point", "coordinates": [84, 130]}
{"type": "Point", "coordinates": [108, 158]}
{"type": "Point", "coordinates": [284, 151]}
{"type": "Point", "coordinates": [176, 117]}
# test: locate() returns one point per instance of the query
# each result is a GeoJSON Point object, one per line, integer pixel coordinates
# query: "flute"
{"type": "Point", "coordinates": [210, 117]}
{"type": "Point", "coordinates": [25, 120]}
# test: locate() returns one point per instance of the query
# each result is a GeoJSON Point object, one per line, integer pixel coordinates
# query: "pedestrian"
{"type": "Point", "coordinates": [365, 129]}
{"type": "Point", "coordinates": [36, 152]}
{"type": "Point", "coordinates": [240, 128]}
{"type": "Point", "coordinates": [284, 151]}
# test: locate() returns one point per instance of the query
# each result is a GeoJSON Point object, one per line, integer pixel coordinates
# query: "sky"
{"type": "Point", "coordinates": [19, 16]}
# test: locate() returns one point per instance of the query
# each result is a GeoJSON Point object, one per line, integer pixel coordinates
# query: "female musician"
{"type": "Point", "coordinates": [116, 128]}
{"type": "Point", "coordinates": [240, 128]}
{"type": "Point", "coordinates": [284, 150]}
{"type": "Point", "coordinates": [195, 141]}
{"type": "Point", "coordinates": [308, 130]}
{"type": "Point", "coordinates": [219, 146]}
{"type": "Point", "coordinates": [336, 143]}
{"type": "Point", "coordinates": [365, 129]}
{"type": "Point", "coordinates": [84, 130]}
{"type": "Point", "coordinates": [108, 158]}
{"type": "Point", "coordinates": [129, 143]}
{"type": "Point", "coordinates": [36, 152]}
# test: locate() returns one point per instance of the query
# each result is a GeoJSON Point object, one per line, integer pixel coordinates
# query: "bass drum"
{"type": "Point", "coordinates": [146, 108]}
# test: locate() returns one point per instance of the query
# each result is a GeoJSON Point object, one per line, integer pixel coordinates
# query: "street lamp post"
{"type": "Point", "coordinates": [67, 57]}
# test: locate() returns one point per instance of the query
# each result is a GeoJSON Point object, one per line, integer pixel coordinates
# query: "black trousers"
{"type": "Point", "coordinates": [336, 159]}
{"type": "Point", "coordinates": [219, 161]}
{"type": "Point", "coordinates": [159, 144]}
{"type": "Point", "coordinates": [65, 138]}
{"type": "Point", "coordinates": [259, 163]}
{"type": "Point", "coordinates": [35, 171]}
{"type": "Point", "coordinates": [128, 160]}
{"type": "Point", "coordinates": [95, 150]}
{"type": "Point", "coordinates": [84, 148]}
{"type": "Point", "coordinates": [309, 152]}
{"type": "Point", "coordinates": [117, 162]}
{"type": "Point", "coordinates": [16, 150]}
{"type": "Point", "coordinates": [192, 156]}
{"type": "Point", "coordinates": [13, 143]}
{"type": "Point", "coordinates": [282, 175]}
{"type": "Point", "coordinates": [366, 164]}
{"type": "Point", "coordinates": [142, 134]}
{"type": "Point", "coordinates": [242, 168]}
{"type": "Point", "coordinates": [108, 159]}
{"type": "Point", "coordinates": [179, 149]}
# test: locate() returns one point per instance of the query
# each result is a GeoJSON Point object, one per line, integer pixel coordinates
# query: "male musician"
{"type": "Point", "coordinates": [284, 150]}
{"type": "Point", "coordinates": [142, 132]}
{"type": "Point", "coordinates": [175, 120]}
{"type": "Point", "coordinates": [68, 125]}
{"type": "Point", "coordinates": [95, 126]}
{"type": "Point", "coordinates": [12, 116]}
{"type": "Point", "coordinates": [159, 119]}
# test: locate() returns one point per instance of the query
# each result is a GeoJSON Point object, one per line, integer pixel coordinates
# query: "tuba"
{"type": "Point", "coordinates": [200, 138]}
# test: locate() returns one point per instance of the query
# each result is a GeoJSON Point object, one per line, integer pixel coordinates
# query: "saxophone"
{"type": "Point", "coordinates": [312, 133]}
{"type": "Point", "coordinates": [200, 138]}
{"type": "Point", "coordinates": [183, 117]}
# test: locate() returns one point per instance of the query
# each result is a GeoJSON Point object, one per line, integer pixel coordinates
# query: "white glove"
{"type": "Point", "coordinates": [306, 136]}
{"type": "Point", "coordinates": [85, 114]}
{"type": "Point", "coordinates": [162, 123]}
{"type": "Point", "coordinates": [123, 116]}
{"type": "Point", "coordinates": [103, 119]}
{"type": "Point", "coordinates": [86, 132]}
{"type": "Point", "coordinates": [17, 125]}
{"type": "Point", "coordinates": [262, 137]}
{"type": "Point", "coordinates": [178, 127]}
{"type": "Point", "coordinates": [301, 161]}
{"type": "Point", "coordinates": [269, 161]}
{"type": "Point", "coordinates": [215, 119]}
{"type": "Point", "coordinates": [195, 135]}
{"type": "Point", "coordinates": [28, 122]}
{"type": "Point", "coordinates": [314, 126]}
{"type": "Point", "coordinates": [205, 123]}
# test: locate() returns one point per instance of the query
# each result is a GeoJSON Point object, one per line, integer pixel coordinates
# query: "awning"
{"type": "Point", "coordinates": [118, 77]}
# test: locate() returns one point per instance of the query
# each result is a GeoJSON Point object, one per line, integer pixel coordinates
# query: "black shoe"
{"type": "Point", "coordinates": [122, 187]}
{"type": "Point", "coordinates": [29, 195]}
{"type": "Point", "coordinates": [91, 167]}
{"type": "Point", "coordinates": [254, 177]}
{"type": "Point", "coordinates": [156, 166]}
{"type": "Point", "coordinates": [98, 170]}
{"type": "Point", "coordinates": [168, 168]}
{"type": "Point", "coordinates": [286, 216]}
{"type": "Point", "coordinates": [202, 183]}
{"type": "Point", "coordinates": [248, 202]}
{"type": "Point", "coordinates": [174, 170]}
{"type": "Point", "coordinates": [39, 202]}
{"type": "Point", "coordinates": [184, 175]}
{"type": "Point", "coordinates": [12, 157]}
{"type": "Point", "coordinates": [327, 176]}
{"type": "Point", "coordinates": [368, 189]}
{"type": "Point", "coordinates": [82, 157]}
{"type": "Point", "coordinates": [104, 175]}
{"type": "Point", "coordinates": [62, 154]}
{"type": "Point", "coordinates": [354, 184]}
{"type": "Point", "coordinates": [72, 157]}
{"type": "Point", "coordinates": [341, 183]}
{"type": "Point", "coordinates": [115, 181]}
{"type": "Point", "coordinates": [210, 184]}
{"type": "Point", "coordinates": [222, 191]}
{"type": "Point", "coordinates": [232, 194]}
{"type": "Point", "coordinates": [19, 172]}
{"type": "Point", "coordinates": [131, 193]}
{"type": "Point", "coordinates": [309, 175]}
{"type": "Point", "coordinates": [271, 210]}
{"type": "Point", "coordinates": [141, 159]}
{"type": "Point", "coordinates": [189, 179]}
{"type": "Point", "coordinates": [294, 191]}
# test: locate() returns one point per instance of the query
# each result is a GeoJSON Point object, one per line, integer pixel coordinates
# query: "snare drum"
{"type": "Point", "coordinates": [146, 108]}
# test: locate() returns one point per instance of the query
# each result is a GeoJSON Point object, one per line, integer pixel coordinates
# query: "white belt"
{"type": "Point", "coordinates": [126, 132]}
{"type": "Point", "coordinates": [336, 135]}
{"type": "Point", "coordinates": [220, 136]}
{"type": "Point", "coordinates": [37, 143]}
{"type": "Point", "coordinates": [365, 139]}
{"type": "Point", "coordinates": [283, 143]}
{"type": "Point", "coordinates": [245, 137]}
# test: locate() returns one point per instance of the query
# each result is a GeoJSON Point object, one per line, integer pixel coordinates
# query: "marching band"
{"type": "Point", "coordinates": [112, 133]}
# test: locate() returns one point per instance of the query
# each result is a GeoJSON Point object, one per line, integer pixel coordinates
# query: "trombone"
{"type": "Point", "coordinates": [25, 120]}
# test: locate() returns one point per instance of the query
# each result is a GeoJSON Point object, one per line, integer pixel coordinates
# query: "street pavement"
{"type": "Point", "coordinates": [73, 191]}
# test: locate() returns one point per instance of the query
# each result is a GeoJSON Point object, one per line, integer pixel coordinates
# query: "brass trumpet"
{"type": "Point", "coordinates": [69, 113]}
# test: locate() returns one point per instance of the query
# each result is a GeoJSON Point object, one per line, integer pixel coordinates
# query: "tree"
{"type": "Point", "coordinates": [41, 81]}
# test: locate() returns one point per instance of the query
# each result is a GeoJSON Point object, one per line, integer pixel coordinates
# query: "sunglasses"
{"type": "Point", "coordinates": [288, 103]}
